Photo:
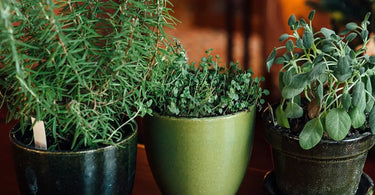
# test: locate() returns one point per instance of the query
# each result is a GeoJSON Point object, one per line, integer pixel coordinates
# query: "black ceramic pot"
{"type": "Point", "coordinates": [331, 167]}
{"type": "Point", "coordinates": [107, 170]}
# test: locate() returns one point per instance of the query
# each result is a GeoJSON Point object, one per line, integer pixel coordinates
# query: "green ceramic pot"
{"type": "Point", "coordinates": [107, 170]}
{"type": "Point", "coordinates": [331, 167]}
{"type": "Point", "coordinates": [199, 155]}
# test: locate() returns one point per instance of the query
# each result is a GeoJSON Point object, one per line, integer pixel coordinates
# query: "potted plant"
{"type": "Point", "coordinates": [199, 137]}
{"type": "Point", "coordinates": [324, 123]}
{"type": "Point", "coordinates": [78, 67]}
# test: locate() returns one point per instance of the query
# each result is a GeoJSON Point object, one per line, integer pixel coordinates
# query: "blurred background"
{"type": "Point", "coordinates": [247, 30]}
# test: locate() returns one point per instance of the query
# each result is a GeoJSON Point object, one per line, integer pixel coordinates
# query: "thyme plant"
{"type": "Point", "coordinates": [79, 65]}
{"type": "Point", "coordinates": [206, 89]}
{"type": "Point", "coordinates": [335, 80]}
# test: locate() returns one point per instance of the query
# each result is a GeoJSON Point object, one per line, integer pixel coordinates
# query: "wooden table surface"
{"type": "Point", "coordinates": [259, 164]}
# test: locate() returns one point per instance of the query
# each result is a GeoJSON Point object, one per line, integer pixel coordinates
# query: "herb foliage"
{"type": "Point", "coordinates": [206, 89]}
{"type": "Point", "coordinates": [336, 80]}
{"type": "Point", "coordinates": [79, 65]}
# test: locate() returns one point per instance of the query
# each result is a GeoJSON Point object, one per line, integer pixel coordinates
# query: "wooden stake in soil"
{"type": "Point", "coordinates": [40, 139]}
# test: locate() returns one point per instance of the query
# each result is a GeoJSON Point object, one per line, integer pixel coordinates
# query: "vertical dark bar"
{"type": "Point", "coordinates": [230, 28]}
{"type": "Point", "coordinates": [246, 31]}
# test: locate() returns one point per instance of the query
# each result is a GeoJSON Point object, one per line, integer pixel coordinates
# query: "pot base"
{"type": "Point", "coordinates": [366, 185]}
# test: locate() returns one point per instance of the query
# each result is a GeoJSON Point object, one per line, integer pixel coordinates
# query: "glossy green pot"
{"type": "Point", "coordinates": [331, 167]}
{"type": "Point", "coordinates": [107, 170]}
{"type": "Point", "coordinates": [199, 155]}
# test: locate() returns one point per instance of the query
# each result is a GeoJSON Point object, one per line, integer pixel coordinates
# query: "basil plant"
{"type": "Point", "coordinates": [327, 87]}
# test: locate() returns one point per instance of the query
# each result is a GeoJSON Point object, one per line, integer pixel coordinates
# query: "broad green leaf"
{"type": "Point", "coordinates": [359, 96]}
{"type": "Point", "coordinates": [346, 101]}
{"type": "Point", "coordinates": [369, 105]}
{"type": "Point", "coordinates": [281, 118]}
{"type": "Point", "coordinates": [311, 15]}
{"type": "Point", "coordinates": [308, 39]}
{"type": "Point", "coordinates": [293, 110]}
{"type": "Point", "coordinates": [364, 34]}
{"type": "Point", "coordinates": [283, 37]}
{"type": "Point", "coordinates": [271, 59]}
{"type": "Point", "coordinates": [343, 71]}
{"type": "Point", "coordinates": [279, 60]}
{"type": "Point", "coordinates": [311, 134]}
{"type": "Point", "coordinates": [292, 20]}
{"type": "Point", "coordinates": [289, 45]}
{"type": "Point", "coordinates": [288, 77]}
{"type": "Point", "coordinates": [299, 43]}
{"type": "Point", "coordinates": [372, 59]}
{"type": "Point", "coordinates": [327, 32]}
{"type": "Point", "coordinates": [289, 92]}
{"type": "Point", "coordinates": [317, 70]}
{"type": "Point", "coordinates": [351, 37]}
{"type": "Point", "coordinates": [358, 118]}
{"type": "Point", "coordinates": [337, 123]}
{"type": "Point", "coordinates": [372, 120]}
{"type": "Point", "coordinates": [300, 80]}
{"type": "Point", "coordinates": [368, 84]}
{"type": "Point", "coordinates": [351, 26]}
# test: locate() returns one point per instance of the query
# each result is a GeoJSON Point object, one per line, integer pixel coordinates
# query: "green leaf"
{"type": "Point", "coordinates": [327, 32]}
{"type": "Point", "coordinates": [289, 92]}
{"type": "Point", "coordinates": [279, 60]}
{"type": "Point", "coordinates": [337, 123]}
{"type": "Point", "coordinates": [173, 108]}
{"type": "Point", "coordinates": [364, 34]}
{"type": "Point", "coordinates": [289, 45]}
{"type": "Point", "coordinates": [351, 26]}
{"type": "Point", "coordinates": [271, 59]}
{"type": "Point", "coordinates": [299, 43]}
{"type": "Point", "coordinates": [292, 20]}
{"type": "Point", "coordinates": [283, 37]}
{"type": "Point", "coordinates": [358, 118]}
{"type": "Point", "coordinates": [369, 105]}
{"type": "Point", "coordinates": [359, 96]}
{"type": "Point", "coordinates": [346, 101]}
{"type": "Point", "coordinates": [288, 77]}
{"type": "Point", "coordinates": [293, 110]}
{"type": "Point", "coordinates": [351, 37]}
{"type": "Point", "coordinates": [317, 70]}
{"type": "Point", "coordinates": [281, 118]}
{"type": "Point", "coordinates": [343, 71]}
{"type": "Point", "coordinates": [311, 15]}
{"type": "Point", "coordinates": [300, 80]}
{"type": "Point", "coordinates": [311, 134]}
{"type": "Point", "coordinates": [372, 120]}
{"type": "Point", "coordinates": [307, 39]}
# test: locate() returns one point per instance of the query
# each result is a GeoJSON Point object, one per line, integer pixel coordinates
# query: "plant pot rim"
{"type": "Point", "coordinates": [206, 118]}
{"type": "Point", "coordinates": [22, 146]}
{"type": "Point", "coordinates": [278, 136]}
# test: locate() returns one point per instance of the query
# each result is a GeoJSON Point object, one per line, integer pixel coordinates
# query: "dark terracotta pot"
{"type": "Point", "coordinates": [107, 170]}
{"type": "Point", "coordinates": [199, 155]}
{"type": "Point", "coordinates": [331, 167]}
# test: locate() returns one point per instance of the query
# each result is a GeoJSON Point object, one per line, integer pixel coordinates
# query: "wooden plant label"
{"type": "Point", "coordinates": [40, 139]}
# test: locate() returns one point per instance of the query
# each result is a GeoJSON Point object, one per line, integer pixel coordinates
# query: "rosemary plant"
{"type": "Point", "coordinates": [79, 65]}
{"type": "Point", "coordinates": [335, 80]}
{"type": "Point", "coordinates": [206, 89]}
